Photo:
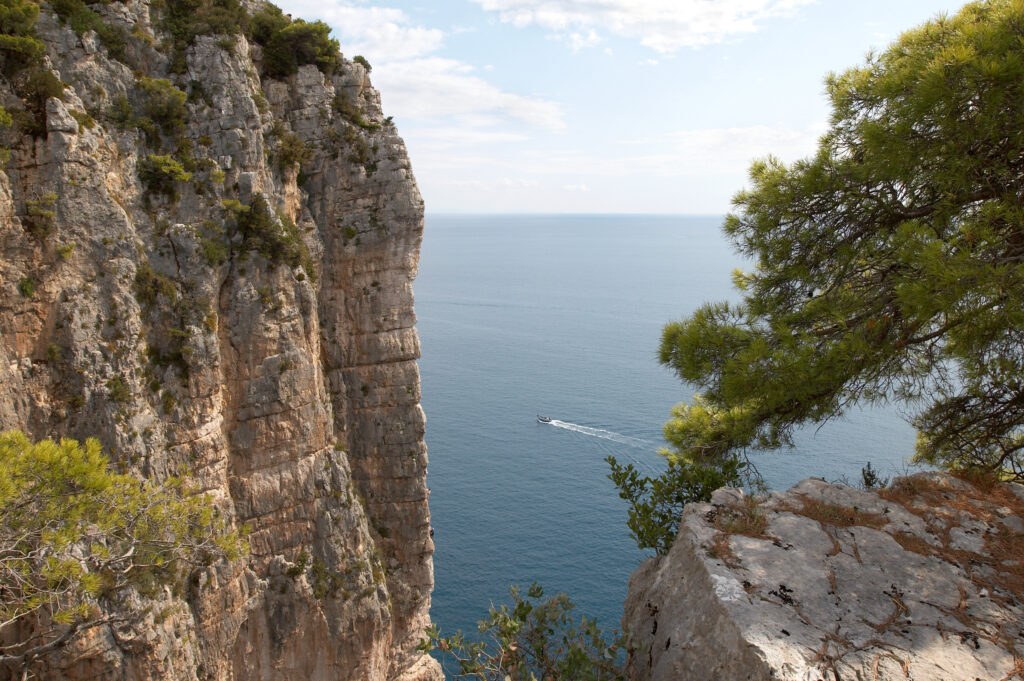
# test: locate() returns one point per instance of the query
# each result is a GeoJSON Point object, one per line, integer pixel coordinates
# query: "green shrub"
{"type": "Point", "coordinates": [18, 17]}
{"type": "Point", "coordinates": [118, 390]}
{"type": "Point", "coordinates": [533, 638]}
{"type": "Point", "coordinates": [40, 86]}
{"type": "Point", "coordinates": [84, 120]}
{"type": "Point", "coordinates": [164, 104]}
{"type": "Point", "coordinates": [275, 237]}
{"type": "Point", "coordinates": [186, 19]}
{"type": "Point", "coordinates": [260, 100]}
{"type": "Point", "coordinates": [161, 175]}
{"type": "Point", "coordinates": [27, 287]}
{"type": "Point", "coordinates": [34, 89]}
{"type": "Point", "coordinates": [348, 110]}
{"type": "Point", "coordinates": [299, 43]}
{"type": "Point", "coordinates": [65, 251]}
{"type": "Point", "coordinates": [77, 535]}
{"type": "Point", "coordinates": [361, 60]}
{"type": "Point", "coordinates": [20, 46]}
{"type": "Point", "coordinates": [40, 214]}
{"type": "Point", "coordinates": [656, 504]}
{"type": "Point", "coordinates": [197, 93]}
{"type": "Point", "coordinates": [20, 51]}
{"type": "Point", "coordinates": [82, 19]}
{"type": "Point", "coordinates": [291, 151]}
{"type": "Point", "coordinates": [121, 113]}
{"type": "Point", "coordinates": [266, 23]}
{"type": "Point", "coordinates": [359, 149]}
{"type": "Point", "coordinates": [214, 251]}
{"type": "Point", "coordinates": [149, 286]}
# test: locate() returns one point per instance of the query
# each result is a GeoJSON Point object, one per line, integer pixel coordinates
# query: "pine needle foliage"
{"type": "Point", "coordinates": [889, 266]}
{"type": "Point", "coordinates": [534, 638]}
{"type": "Point", "coordinates": [75, 536]}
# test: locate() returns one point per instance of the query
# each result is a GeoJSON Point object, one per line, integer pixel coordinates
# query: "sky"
{"type": "Point", "coordinates": [606, 106]}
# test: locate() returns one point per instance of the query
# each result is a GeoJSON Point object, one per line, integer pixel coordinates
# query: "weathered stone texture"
{"type": "Point", "coordinates": [921, 581]}
{"type": "Point", "coordinates": [291, 396]}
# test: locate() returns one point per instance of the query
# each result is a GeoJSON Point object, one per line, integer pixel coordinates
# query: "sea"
{"type": "Point", "coordinates": [561, 315]}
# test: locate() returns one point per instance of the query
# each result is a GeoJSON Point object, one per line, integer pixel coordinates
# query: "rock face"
{"type": "Point", "coordinates": [272, 359]}
{"type": "Point", "coordinates": [923, 580]}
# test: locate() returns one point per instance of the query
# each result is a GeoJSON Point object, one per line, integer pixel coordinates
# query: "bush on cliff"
{"type": "Point", "coordinates": [20, 46]}
{"type": "Point", "coordinates": [534, 638]}
{"type": "Point", "coordinates": [161, 174]}
{"type": "Point", "coordinates": [889, 266]}
{"type": "Point", "coordinates": [288, 44]}
{"type": "Point", "coordinates": [75, 536]}
{"type": "Point", "coordinates": [82, 19]}
{"type": "Point", "coordinates": [271, 233]}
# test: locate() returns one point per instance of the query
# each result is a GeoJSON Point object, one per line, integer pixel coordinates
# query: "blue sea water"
{"type": "Point", "coordinates": [561, 316]}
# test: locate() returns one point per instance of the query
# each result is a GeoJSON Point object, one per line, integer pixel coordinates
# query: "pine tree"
{"type": "Point", "coordinates": [888, 267]}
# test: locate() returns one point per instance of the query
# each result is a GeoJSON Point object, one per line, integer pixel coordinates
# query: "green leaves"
{"type": "Point", "coordinates": [532, 639]}
{"type": "Point", "coordinates": [892, 263]}
{"type": "Point", "coordinates": [290, 44]}
{"type": "Point", "coordinates": [73, 534]}
{"type": "Point", "coordinates": [160, 174]}
{"type": "Point", "coordinates": [889, 266]}
{"type": "Point", "coordinates": [656, 504]}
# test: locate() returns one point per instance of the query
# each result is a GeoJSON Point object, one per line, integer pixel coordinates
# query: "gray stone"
{"type": "Point", "coordinates": [811, 600]}
{"type": "Point", "coordinates": [297, 407]}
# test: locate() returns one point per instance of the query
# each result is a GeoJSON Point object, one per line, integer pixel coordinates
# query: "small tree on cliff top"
{"type": "Point", "coordinates": [888, 266]}
{"type": "Point", "coordinates": [74, 536]}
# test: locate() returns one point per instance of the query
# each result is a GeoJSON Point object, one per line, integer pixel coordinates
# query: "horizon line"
{"type": "Point", "coordinates": [571, 214]}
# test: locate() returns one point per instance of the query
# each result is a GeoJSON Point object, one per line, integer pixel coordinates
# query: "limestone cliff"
{"type": "Point", "coordinates": [227, 293]}
{"type": "Point", "coordinates": [923, 580]}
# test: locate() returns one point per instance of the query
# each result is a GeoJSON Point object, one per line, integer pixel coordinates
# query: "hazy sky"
{"type": "Point", "coordinates": [605, 106]}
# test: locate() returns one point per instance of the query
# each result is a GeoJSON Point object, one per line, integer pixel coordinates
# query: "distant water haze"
{"type": "Point", "coordinates": [561, 316]}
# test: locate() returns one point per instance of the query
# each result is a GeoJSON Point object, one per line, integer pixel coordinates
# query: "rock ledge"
{"type": "Point", "coordinates": [923, 580]}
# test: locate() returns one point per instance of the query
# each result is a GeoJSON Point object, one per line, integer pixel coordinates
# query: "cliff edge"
{"type": "Point", "coordinates": [207, 264]}
{"type": "Point", "coordinates": [923, 580]}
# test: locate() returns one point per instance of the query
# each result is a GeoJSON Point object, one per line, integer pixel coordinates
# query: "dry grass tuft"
{"type": "Point", "coordinates": [749, 519]}
{"type": "Point", "coordinates": [721, 550]}
{"type": "Point", "coordinates": [837, 516]}
{"type": "Point", "coordinates": [1004, 549]}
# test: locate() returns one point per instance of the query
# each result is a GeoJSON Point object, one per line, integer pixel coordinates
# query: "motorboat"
{"type": "Point", "coordinates": [543, 419]}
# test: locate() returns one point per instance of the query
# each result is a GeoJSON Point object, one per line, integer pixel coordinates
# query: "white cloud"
{"type": "Point", "coordinates": [683, 154]}
{"type": "Point", "coordinates": [378, 33]}
{"type": "Point", "coordinates": [448, 137]}
{"type": "Point", "coordinates": [417, 84]}
{"type": "Point", "coordinates": [447, 90]}
{"type": "Point", "coordinates": [727, 148]}
{"type": "Point", "coordinates": [686, 171]}
{"type": "Point", "coordinates": [663, 25]}
{"type": "Point", "coordinates": [578, 41]}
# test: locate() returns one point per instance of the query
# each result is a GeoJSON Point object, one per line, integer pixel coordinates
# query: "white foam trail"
{"type": "Point", "coordinates": [604, 434]}
{"type": "Point", "coordinates": [619, 438]}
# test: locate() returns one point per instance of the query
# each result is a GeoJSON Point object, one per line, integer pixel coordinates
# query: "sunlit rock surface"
{"type": "Point", "coordinates": [290, 394]}
{"type": "Point", "coordinates": [921, 581]}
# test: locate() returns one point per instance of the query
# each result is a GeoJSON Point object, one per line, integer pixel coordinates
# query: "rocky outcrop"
{"type": "Point", "coordinates": [923, 580]}
{"type": "Point", "coordinates": [273, 361]}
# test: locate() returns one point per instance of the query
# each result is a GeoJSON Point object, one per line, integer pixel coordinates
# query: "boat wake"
{"type": "Point", "coordinates": [637, 442]}
{"type": "Point", "coordinates": [639, 461]}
